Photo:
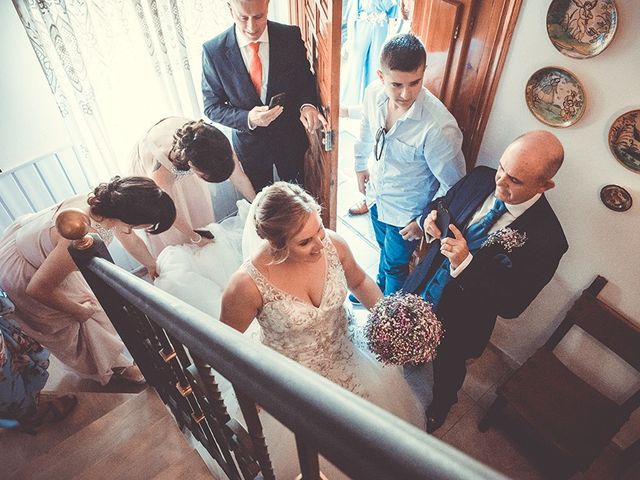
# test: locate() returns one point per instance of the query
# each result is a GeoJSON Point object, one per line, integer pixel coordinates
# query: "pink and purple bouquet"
{"type": "Point", "coordinates": [402, 328]}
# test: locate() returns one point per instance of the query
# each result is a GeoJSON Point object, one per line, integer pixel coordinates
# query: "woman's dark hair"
{"type": "Point", "coordinates": [206, 147]}
{"type": "Point", "coordinates": [134, 201]}
{"type": "Point", "coordinates": [404, 52]}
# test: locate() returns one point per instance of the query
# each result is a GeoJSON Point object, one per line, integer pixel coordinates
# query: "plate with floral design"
{"type": "Point", "coordinates": [581, 28]}
{"type": "Point", "coordinates": [624, 139]}
{"type": "Point", "coordinates": [555, 97]}
{"type": "Point", "coordinates": [616, 198]}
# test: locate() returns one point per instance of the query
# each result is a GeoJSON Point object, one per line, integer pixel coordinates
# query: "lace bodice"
{"type": "Point", "coordinates": [315, 337]}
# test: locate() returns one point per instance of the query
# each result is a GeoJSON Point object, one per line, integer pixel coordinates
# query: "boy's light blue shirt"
{"type": "Point", "coordinates": [421, 159]}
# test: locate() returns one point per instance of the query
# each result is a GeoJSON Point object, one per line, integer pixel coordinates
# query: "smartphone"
{"type": "Point", "coordinates": [443, 220]}
{"type": "Point", "coordinates": [277, 100]}
{"type": "Point", "coordinates": [204, 233]}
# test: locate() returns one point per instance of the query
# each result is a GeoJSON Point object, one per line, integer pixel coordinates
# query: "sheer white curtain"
{"type": "Point", "coordinates": [115, 67]}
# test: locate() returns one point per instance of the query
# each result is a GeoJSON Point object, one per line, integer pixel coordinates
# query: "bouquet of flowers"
{"type": "Point", "coordinates": [402, 328]}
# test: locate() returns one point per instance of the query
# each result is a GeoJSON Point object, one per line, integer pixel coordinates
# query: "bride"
{"type": "Point", "coordinates": [294, 283]}
{"type": "Point", "coordinates": [295, 286]}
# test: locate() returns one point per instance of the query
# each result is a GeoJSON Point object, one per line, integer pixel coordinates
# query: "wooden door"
{"type": "Point", "coordinates": [320, 23]}
{"type": "Point", "coordinates": [467, 43]}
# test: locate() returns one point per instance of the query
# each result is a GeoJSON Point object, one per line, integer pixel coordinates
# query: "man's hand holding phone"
{"type": "Point", "coordinates": [262, 116]}
{"type": "Point", "coordinates": [277, 100]}
{"type": "Point", "coordinates": [453, 245]}
{"type": "Point", "coordinates": [436, 224]}
{"type": "Point", "coordinates": [443, 220]}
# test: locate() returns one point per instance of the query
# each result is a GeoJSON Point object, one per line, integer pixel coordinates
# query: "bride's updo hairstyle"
{"type": "Point", "coordinates": [280, 214]}
{"type": "Point", "coordinates": [134, 201]}
{"type": "Point", "coordinates": [206, 148]}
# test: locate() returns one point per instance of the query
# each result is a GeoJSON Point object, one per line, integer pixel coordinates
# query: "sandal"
{"type": "Point", "coordinates": [50, 409]}
{"type": "Point", "coordinates": [131, 374]}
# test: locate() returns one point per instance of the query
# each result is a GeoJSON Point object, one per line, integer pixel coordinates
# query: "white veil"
{"type": "Point", "coordinates": [250, 239]}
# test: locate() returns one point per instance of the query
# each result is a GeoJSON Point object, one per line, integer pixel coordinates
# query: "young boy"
{"type": "Point", "coordinates": [413, 145]}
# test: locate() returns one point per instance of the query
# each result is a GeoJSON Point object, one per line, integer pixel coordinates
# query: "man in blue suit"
{"type": "Point", "coordinates": [505, 246]}
{"type": "Point", "coordinates": [242, 69]}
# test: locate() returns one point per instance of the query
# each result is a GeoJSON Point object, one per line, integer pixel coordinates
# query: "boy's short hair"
{"type": "Point", "coordinates": [404, 52]}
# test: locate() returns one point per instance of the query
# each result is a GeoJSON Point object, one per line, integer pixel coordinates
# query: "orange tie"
{"type": "Point", "coordinates": [255, 67]}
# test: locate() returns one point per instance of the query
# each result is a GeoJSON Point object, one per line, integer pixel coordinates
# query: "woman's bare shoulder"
{"type": "Point", "coordinates": [240, 279]}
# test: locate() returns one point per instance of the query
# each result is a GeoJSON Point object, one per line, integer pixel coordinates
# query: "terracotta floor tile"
{"type": "Point", "coordinates": [456, 414]}
{"type": "Point", "coordinates": [493, 448]}
{"type": "Point", "coordinates": [484, 374]}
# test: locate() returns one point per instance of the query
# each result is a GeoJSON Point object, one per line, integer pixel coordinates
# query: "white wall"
{"type": "Point", "coordinates": [30, 123]}
{"type": "Point", "coordinates": [600, 241]}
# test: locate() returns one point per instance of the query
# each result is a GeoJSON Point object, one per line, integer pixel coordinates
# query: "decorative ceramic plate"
{"type": "Point", "coordinates": [581, 28]}
{"type": "Point", "coordinates": [555, 97]}
{"type": "Point", "coordinates": [616, 198]}
{"type": "Point", "coordinates": [624, 139]}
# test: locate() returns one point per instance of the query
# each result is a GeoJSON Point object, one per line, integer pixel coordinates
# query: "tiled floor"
{"type": "Point", "coordinates": [495, 447]}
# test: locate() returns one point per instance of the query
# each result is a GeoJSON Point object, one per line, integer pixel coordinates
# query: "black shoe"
{"type": "Point", "coordinates": [436, 417]}
{"type": "Point", "coordinates": [354, 300]}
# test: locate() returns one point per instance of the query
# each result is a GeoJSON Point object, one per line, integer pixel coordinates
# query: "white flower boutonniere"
{"type": "Point", "coordinates": [508, 238]}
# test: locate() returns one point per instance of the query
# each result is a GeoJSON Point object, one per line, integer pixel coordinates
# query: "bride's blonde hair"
{"type": "Point", "coordinates": [280, 214]}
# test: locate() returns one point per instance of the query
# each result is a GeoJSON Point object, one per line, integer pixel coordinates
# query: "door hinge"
{"type": "Point", "coordinates": [456, 31]}
{"type": "Point", "coordinates": [472, 23]}
{"type": "Point", "coordinates": [327, 140]}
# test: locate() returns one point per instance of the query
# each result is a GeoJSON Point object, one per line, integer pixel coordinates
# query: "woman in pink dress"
{"type": "Point", "coordinates": [181, 156]}
{"type": "Point", "coordinates": [54, 304]}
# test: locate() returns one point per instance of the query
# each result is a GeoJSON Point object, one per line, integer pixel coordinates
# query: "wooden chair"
{"type": "Point", "coordinates": [555, 407]}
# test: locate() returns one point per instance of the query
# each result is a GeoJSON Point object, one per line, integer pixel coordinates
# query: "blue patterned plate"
{"type": "Point", "coordinates": [555, 97]}
{"type": "Point", "coordinates": [581, 28]}
{"type": "Point", "coordinates": [624, 139]}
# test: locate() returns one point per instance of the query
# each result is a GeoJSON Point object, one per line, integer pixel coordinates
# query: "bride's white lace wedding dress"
{"type": "Point", "coordinates": [314, 336]}
{"type": "Point", "coordinates": [317, 337]}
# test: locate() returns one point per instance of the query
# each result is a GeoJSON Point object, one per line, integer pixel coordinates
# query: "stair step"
{"type": "Point", "coordinates": [98, 439]}
{"type": "Point", "coordinates": [190, 466]}
{"type": "Point", "coordinates": [18, 448]}
{"type": "Point", "coordinates": [143, 455]}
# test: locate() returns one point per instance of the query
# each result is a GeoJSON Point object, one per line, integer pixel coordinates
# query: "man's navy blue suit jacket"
{"type": "Point", "coordinates": [229, 94]}
{"type": "Point", "coordinates": [496, 282]}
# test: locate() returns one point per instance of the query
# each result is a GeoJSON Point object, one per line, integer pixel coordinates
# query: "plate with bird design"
{"type": "Point", "coordinates": [555, 97]}
{"type": "Point", "coordinates": [624, 139]}
{"type": "Point", "coordinates": [581, 28]}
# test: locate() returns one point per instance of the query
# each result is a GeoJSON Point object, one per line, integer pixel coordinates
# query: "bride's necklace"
{"type": "Point", "coordinates": [105, 233]}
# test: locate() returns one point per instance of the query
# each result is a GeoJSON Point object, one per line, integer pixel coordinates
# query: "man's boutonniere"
{"type": "Point", "coordinates": [508, 238]}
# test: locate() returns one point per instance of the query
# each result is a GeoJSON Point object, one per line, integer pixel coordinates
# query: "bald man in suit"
{"type": "Point", "coordinates": [505, 246]}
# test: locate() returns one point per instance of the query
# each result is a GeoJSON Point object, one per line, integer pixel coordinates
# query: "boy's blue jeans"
{"type": "Point", "coordinates": [395, 254]}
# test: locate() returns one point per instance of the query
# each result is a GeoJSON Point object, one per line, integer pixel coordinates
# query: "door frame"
{"type": "Point", "coordinates": [486, 23]}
